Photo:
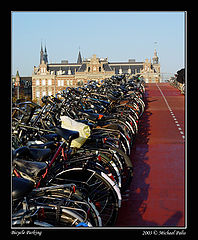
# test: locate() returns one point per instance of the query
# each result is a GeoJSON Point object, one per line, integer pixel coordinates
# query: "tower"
{"type": "Point", "coordinates": [41, 54]}
{"type": "Point", "coordinates": [155, 58]}
{"type": "Point", "coordinates": [156, 64]}
{"type": "Point", "coordinates": [45, 56]}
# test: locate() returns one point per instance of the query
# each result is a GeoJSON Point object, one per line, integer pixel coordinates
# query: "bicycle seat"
{"type": "Point", "coordinates": [42, 145]}
{"type": "Point", "coordinates": [21, 187]}
{"type": "Point", "coordinates": [37, 154]}
{"type": "Point", "coordinates": [67, 134]}
{"type": "Point", "coordinates": [52, 137]}
{"type": "Point", "coordinates": [20, 152]}
{"type": "Point", "coordinates": [90, 115]}
{"type": "Point", "coordinates": [32, 169]}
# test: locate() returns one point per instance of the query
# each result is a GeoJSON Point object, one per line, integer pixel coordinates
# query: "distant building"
{"type": "Point", "coordinates": [50, 78]}
{"type": "Point", "coordinates": [151, 70]}
{"type": "Point", "coordinates": [21, 87]}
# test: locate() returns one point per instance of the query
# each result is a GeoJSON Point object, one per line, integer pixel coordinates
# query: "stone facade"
{"type": "Point", "coordinates": [21, 87]}
{"type": "Point", "coordinates": [151, 70]}
{"type": "Point", "coordinates": [50, 78]}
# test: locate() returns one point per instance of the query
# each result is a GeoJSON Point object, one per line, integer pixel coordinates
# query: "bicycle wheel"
{"type": "Point", "coordinates": [96, 186]}
{"type": "Point", "coordinates": [45, 216]}
{"type": "Point", "coordinates": [69, 200]}
{"type": "Point", "coordinates": [103, 159]}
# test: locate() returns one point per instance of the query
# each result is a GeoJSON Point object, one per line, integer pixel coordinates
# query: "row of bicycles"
{"type": "Point", "coordinates": [180, 86]}
{"type": "Point", "coordinates": [179, 81]}
{"type": "Point", "coordinates": [71, 154]}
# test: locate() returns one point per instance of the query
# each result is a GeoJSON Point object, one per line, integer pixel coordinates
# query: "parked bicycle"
{"type": "Point", "coordinates": [79, 139]}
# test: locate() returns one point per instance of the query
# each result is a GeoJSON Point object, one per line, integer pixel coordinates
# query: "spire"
{"type": "Point", "coordinates": [41, 47]}
{"type": "Point", "coordinates": [79, 60]}
{"type": "Point", "coordinates": [41, 54]}
{"type": "Point", "coordinates": [45, 55]}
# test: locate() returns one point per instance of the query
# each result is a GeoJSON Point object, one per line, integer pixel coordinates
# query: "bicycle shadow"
{"type": "Point", "coordinates": [134, 202]}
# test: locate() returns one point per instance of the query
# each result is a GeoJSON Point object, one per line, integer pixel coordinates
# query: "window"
{"type": "Point", "coordinates": [99, 69]}
{"type": "Point", "coordinates": [59, 72]}
{"type": "Point", "coordinates": [37, 94]}
{"type": "Point", "coordinates": [62, 83]}
{"type": "Point", "coordinates": [49, 93]}
{"type": "Point", "coordinates": [71, 82]}
{"type": "Point", "coordinates": [49, 82]}
{"type": "Point", "coordinates": [37, 82]}
{"type": "Point", "coordinates": [44, 93]}
{"type": "Point", "coordinates": [69, 72]}
{"type": "Point", "coordinates": [59, 83]}
{"type": "Point", "coordinates": [67, 82]}
{"type": "Point", "coordinates": [88, 69]}
{"type": "Point", "coordinates": [43, 82]}
{"type": "Point", "coordinates": [43, 70]}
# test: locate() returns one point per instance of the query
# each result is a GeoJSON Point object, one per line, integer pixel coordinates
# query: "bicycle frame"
{"type": "Point", "coordinates": [60, 149]}
{"type": "Point", "coordinates": [64, 155]}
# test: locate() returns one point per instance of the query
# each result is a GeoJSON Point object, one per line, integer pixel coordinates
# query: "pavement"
{"type": "Point", "coordinates": [156, 196]}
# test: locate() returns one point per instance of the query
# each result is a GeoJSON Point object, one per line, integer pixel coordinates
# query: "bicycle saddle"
{"type": "Point", "coordinates": [20, 187]}
{"type": "Point", "coordinates": [51, 137]}
{"type": "Point", "coordinates": [67, 134]}
{"type": "Point", "coordinates": [36, 154]}
{"type": "Point", "coordinates": [39, 154]}
{"type": "Point", "coordinates": [32, 169]}
{"type": "Point", "coordinates": [90, 115]}
{"type": "Point", "coordinates": [42, 145]}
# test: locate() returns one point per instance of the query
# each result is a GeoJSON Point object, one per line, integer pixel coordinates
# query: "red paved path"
{"type": "Point", "coordinates": [157, 192]}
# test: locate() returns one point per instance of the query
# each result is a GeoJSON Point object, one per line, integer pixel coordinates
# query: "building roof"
{"type": "Point", "coordinates": [63, 69]}
{"type": "Point", "coordinates": [107, 67]}
{"type": "Point", "coordinates": [82, 68]}
{"type": "Point", "coordinates": [126, 63]}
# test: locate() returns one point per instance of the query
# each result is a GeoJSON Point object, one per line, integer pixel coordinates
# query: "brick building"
{"type": "Point", "coordinates": [21, 87]}
{"type": "Point", "coordinates": [50, 78]}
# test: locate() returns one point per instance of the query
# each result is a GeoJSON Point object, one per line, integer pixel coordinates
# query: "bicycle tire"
{"type": "Point", "coordinates": [93, 184]}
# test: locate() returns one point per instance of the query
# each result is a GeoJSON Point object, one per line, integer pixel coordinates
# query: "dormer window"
{"type": "Point", "coordinates": [59, 72]}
